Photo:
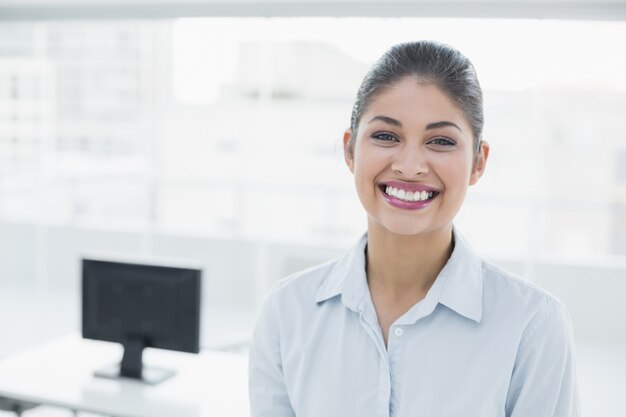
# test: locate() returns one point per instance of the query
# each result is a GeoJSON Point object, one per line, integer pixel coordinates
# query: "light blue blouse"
{"type": "Point", "coordinates": [482, 343]}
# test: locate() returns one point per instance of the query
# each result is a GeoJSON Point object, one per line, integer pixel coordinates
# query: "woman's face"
{"type": "Point", "coordinates": [413, 159]}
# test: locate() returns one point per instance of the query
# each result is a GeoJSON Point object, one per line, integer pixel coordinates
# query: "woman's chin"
{"type": "Point", "coordinates": [401, 227]}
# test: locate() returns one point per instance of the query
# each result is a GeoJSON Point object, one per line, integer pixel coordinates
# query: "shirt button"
{"type": "Point", "coordinates": [399, 332]}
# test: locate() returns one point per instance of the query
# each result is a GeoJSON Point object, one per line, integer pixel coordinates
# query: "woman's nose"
{"type": "Point", "coordinates": [410, 162]}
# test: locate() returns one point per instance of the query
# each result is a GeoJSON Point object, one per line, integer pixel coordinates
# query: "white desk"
{"type": "Point", "coordinates": [60, 373]}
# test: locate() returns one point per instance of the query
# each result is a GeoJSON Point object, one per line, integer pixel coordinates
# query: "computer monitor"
{"type": "Point", "coordinates": [141, 305]}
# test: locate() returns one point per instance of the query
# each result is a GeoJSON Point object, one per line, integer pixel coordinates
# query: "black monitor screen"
{"type": "Point", "coordinates": [141, 305]}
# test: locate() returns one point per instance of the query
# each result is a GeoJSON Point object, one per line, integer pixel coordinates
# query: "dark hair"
{"type": "Point", "coordinates": [429, 62]}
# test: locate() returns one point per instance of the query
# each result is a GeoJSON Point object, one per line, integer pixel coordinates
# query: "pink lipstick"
{"type": "Point", "coordinates": [408, 196]}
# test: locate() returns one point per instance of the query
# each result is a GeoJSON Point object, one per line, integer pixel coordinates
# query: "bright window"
{"type": "Point", "coordinates": [232, 127]}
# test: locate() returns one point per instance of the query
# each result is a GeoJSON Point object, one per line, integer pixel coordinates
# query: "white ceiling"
{"type": "Point", "coordinates": [87, 9]}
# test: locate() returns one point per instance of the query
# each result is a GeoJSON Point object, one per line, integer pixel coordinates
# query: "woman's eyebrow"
{"type": "Point", "coordinates": [429, 126]}
{"type": "Point", "coordinates": [386, 119]}
{"type": "Point", "coordinates": [443, 123]}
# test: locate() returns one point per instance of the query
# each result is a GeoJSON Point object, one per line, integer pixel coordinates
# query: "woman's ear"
{"type": "Point", "coordinates": [348, 150]}
{"type": "Point", "coordinates": [480, 163]}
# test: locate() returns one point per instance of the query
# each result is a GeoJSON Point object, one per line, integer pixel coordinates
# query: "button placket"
{"type": "Point", "coordinates": [394, 351]}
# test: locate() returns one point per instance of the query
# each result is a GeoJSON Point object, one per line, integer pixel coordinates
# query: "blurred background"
{"type": "Point", "coordinates": [211, 131]}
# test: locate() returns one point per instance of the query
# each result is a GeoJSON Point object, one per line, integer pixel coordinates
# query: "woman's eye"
{"type": "Point", "coordinates": [442, 142]}
{"type": "Point", "coordinates": [385, 137]}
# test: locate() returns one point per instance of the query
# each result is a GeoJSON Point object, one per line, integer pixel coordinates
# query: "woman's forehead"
{"type": "Point", "coordinates": [410, 101]}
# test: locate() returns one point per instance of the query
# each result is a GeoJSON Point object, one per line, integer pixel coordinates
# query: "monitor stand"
{"type": "Point", "coordinates": [132, 366]}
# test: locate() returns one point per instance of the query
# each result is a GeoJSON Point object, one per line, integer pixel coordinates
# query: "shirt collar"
{"type": "Point", "coordinates": [463, 280]}
{"type": "Point", "coordinates": [459, 285]}
{"type": "Point", "coordinates": [347, 278]}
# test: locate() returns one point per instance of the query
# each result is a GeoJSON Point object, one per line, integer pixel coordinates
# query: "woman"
{"type": "Point", "coordinates": [411, 322]}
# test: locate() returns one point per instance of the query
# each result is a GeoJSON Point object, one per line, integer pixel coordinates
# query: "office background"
{"type": "Point", "coordinates": [211, 131]}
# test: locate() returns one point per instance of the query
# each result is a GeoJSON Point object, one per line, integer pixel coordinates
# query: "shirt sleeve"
{"type": "Point", "coordinates": [543, 383]}
{"type": "Point", "coordinates": [267, 390]}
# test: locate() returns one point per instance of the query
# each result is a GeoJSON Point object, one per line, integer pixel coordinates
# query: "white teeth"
{"type": "Point", "coordinates": [408, 195]}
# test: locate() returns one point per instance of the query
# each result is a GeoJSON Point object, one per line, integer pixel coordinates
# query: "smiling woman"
{"type": "Point", "coordinates": [428, 145]}
{"type": "Point", "coordinates": [411, 321]}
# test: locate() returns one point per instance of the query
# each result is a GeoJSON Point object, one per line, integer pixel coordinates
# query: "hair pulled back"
{"type": "Point", "coordinates": [428, 62]}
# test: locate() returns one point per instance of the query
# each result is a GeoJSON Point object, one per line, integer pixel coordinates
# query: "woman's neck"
{"type": "Point", "coordinates": [400, 264]}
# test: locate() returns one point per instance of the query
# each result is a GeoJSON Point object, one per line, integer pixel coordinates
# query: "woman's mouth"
{"type": "Point", "coordinates": [407, 199]}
